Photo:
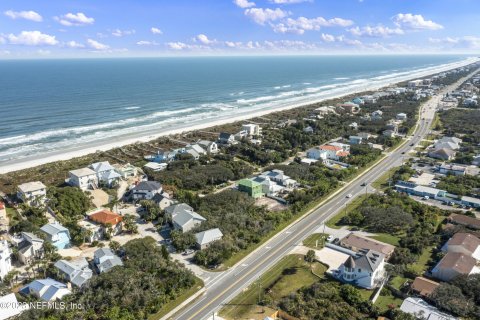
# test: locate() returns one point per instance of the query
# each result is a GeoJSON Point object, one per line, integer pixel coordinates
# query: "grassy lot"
{"type": "Point", "coordinates": [386, 299]}
{"type": "Point", "coordinates": [334, 221]}
{"type": "Point", "coordinates": [388, 238]}
{"type": "Point", "coordinates": [180, 299]}
{"type": "Point", "coordinates": [288, 275]}
{"type": "Point", "coordinates": [422, 264]}
{"type": "Point", "coordinates": [382, 182]}
{"type": "Point", "coordinates": [397, 282]}
{"type": "Point", "coordinates": [315, 238]}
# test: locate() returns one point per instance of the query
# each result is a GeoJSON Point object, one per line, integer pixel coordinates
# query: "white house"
{"type": "Point", "coordinates": [14, 308]}
{"type": "Point", "coordinates": [46, 289]}
{"type": "Point", "coordinates": [30, 247]}
{"type": "Point", "coordinates": [205, 238]}
{"type": "Point", "coordinates": [326, 152]}
{"type": "Point", "coordinates": [76, 271]}
{"type": "Point", "coordinates": [32, 193]}
{"type": "Point", "coordinates": [377, 115]}
{"type": "Point", "coordinates": [195, 150]}
{"type": "Point", "coordinates": [104, 259]}
{"type": "Point", "coordinates": [5, 259]}
{"type": "Point", "coordinates": [422, 310]}
{"type": "Point", "coordinates": [186, 220]}
{"type": "Point", "coordinates": [401, 116]}
{"type": "Point", "coordinates": [146, 190]}
{"type": "Point", "coordinates": [454, 264]}
{"type": "Point", "coordinates": [464, 243]}
{"type": "Point", "coordinates": [252, 129]}
{"type": "Point", "coordinates": [163, 200]}
{"type": "Point", "coordinates": [210, 146]}
{"type": "Point", "coordinates": [155, 166]}
{"type": "Point", "coordinates": [106, 174]}
{"type": "Point", "coordinates": [226, 138]}
{"type": "Point", "coordinates": [366, 269]}
{"type": "Point", "coordinates": [84, 178]}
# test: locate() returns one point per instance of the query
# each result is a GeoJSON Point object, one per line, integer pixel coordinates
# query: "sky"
{"type": "Point", "coordinates": [128, 28]}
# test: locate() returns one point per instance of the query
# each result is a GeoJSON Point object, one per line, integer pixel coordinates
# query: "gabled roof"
{"type": "Point", "coordinates": [424, 286]}
{"type": "Point", "coordinates": [368, 260]}
{"type": "Point", "coordinates": [443, 153]}
{"type": "Point", "coordinates": [225, 135]}
{"type": "Point", "coordinates": [54, 228]}
{"type": "Point", "coordinates": [101, 166]}
{"type": "Point", "coordinates": [159, 197]}
{"type": "Point", "coordinates": [465, 240]}
{"type": "Point", "coordinates": [31, 186]}
{"type": "Point", "coordinates": [148, 186]}
{"type": "Point", "coordinates": [330, 148]}
{"type": "Point", "coordinates": [464, 220]}
{"type": "Point", "coordinates": [46, 288]}
{"type": "Point", "coordinates": [106, 217]}
{"type": "Point", "coordinates": [356, 241]}
{"type": "Point", "coordinates": [459, 262]}
{"type": "Point", "coordinates": [420, 308]}
{"type": "Point", "coordinates": [208, 236]}
{"type": "Point", "coordinates": [183, 217]}
{"type": "Point", "coordinates": [13, 309]}
{"type": "Point", "coordinates": [77, 270]}
{"type": "Point", "coordinates": [177, 208]}
{"type": "Point", "coordinates": [109, 260]}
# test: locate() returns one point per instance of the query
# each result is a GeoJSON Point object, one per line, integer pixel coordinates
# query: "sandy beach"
{"type": "Point", "coordinates": [104, 145]}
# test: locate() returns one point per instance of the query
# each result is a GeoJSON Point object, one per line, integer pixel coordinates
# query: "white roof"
{"type": "Point", "coordinates": [426, 189]}
{"type": "Point", "coordinates": [208, 236]}
{"type": "Point", "coordinates": [101, 166]}
{"type": "Point", "coordinates": [418, 307]}
{"type": "Point", "coordinates": [471, 200]}
{"type": "Point", "coordinates": [82, 172]}
{"type": "Point", "coordinates": [31, 186]}
{"type": "Point", "coordinates": [13, 308]}
{"type": "Point", "coordinates": [155, 166]}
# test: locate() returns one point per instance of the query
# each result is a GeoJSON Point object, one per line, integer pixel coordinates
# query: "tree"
{"type": "Point", "coordinates": [310, 256]}
{"type": "Point", "coordinates": [129, 223]}
{"type": "Point", "coordinates": [114, 245]}
{"type": "Point", "coordinates": [451, 299]}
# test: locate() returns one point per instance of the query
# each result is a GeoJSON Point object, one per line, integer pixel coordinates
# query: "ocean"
{"type": "Point", "coordinates": [49, 106]}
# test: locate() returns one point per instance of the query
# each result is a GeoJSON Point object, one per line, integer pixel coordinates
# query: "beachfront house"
{"type": "Point", "coordinates": [106, 174]}
{"type": "Point", "coordinates": [126, 170]}
{"type": "Point", "coordinates": [46, 289]}
{"type": "Point", "coordinates": [104, 259]}
{"type": "Point", "coordinates": [210, 146]}
{"type": "Point", "coordinates": [252, 129]}
{"type": "Point", "coordinates": [32, 193]}
{"type": "Point", "coordinates": [5, 259]}
{"type": "Point", "coordinates": [84, 178]}
{"type": "Point", "coordinates": [226, 138]}
{"type": "Point", "coordinates": [366, 269]}
{"type": "Point", "coordinates": [146, 190]}
{"type": "Point", "coordinates": [205, 238]}
{"type": "Point", "coordinates": [155, 166]}
{"type": "Point", "coordinates": [76, 271]}
{"type": "Point", "coordinates": [195, 150]}
{"type": "Point", "coordinates": [252, 188]}
{"type": "Point", "coordinates": [29, 248]}
{"type": "Point", "coordinates": [57, 235]}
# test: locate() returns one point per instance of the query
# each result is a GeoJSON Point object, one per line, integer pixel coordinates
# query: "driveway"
{"type": "Point", "coordinates": [332, 258]}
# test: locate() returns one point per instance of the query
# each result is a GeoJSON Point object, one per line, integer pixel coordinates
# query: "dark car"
{"type": "Point", "coordinates": [412, 144]}
{"type": "Point", "coordinates": [363, 184]}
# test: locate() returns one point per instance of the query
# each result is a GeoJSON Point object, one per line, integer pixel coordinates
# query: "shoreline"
{"type": "Point", "coordinates": [16, 165]}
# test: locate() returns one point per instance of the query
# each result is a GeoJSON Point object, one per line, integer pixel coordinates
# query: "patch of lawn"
{"type": "Point", "coordinates": [315, 238]}
{"type": "Point", "coordinates": [422, 263]}
{"type": "Point", "coordinates": [397, 282]}
{"type": "Point", "coordinates": [335, 220]}
{"type": "Point", "coordinates": [287, 276]}
{"type": "Point", "coordinates": [388, 238]}
{"type": "Point", "coordinates": [385, 302]}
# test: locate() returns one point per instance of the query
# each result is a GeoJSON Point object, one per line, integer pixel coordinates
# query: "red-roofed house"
{"type": "Point", "coordinates": [327, 152]}
{"type": "Point", "coordinates": [99, 221]}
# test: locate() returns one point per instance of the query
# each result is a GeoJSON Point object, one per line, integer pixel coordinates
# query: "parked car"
{"type": "Point", "coordinates": [330, 238]}
{"type": "Point", "coordinates": [349, 195]}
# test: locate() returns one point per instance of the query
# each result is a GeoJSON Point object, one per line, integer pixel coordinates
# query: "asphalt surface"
{"type": "Point", "coordinates": [228, 284]}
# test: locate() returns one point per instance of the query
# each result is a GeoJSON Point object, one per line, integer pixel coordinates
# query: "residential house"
{"type": "Point", "coordinates": [30, 248]}
{"type": "Point", "coordinates": [164, 155]}
{"type": "Point", "coordinates": [369, 99]}
{"type": "Point", "coordinates": [183, 217]}
{"type": "Point", "coordinates": [5, 259]}
{"type": "Point", "coordinates": [252, 129]}
{"type": "Point", "coordinates": [353, 125]}
{"type": "Point", "coordinates": [226, 138]}
{"type": "Point", "coordinates": [269, 187]}
{"type": "Point", "coordinates": [195, 150]}
{"type": "Point", "coordinates": [355, 140]}
{"type": "Point", "coordinates": [448, 142]}
{"type": "Point", "coordinates": [325, 110]}
{"type": "Point", "coordinates": [3, 210]}
{"type": "Point", "coordinates": [106, 219]}
{"type": "Point", "coordinates": [452, 169]}
{"type": "Point", "coordinates": [156, 166]}
{"type": "Point", "coordinates": [366, 269]}
{"type": "Point", "coordinates": [205, 238]}
{"type": "Point", "coordinates": [289, 122]}
{"type": "Point", "coordinates": [423, 287]}
{"type": "Point", "coordinates": [364, 135]}
{"type": "Point", "coordinates": [442, 154]}
{"type": "Point", "coordinates": [46, 289]}
{"type": "Point", "coordinates": [470, 102]}
{"type": "Point", "coordinates": [104, 260]}
{"type": "Point", "coordinates": [240, 135]}
{"type": "Point", "coordinates": [163, 200]}
{"type": "Point", "coordinates": [146, 190]}
{"type": "Point", "coordinates": [280, 177]}
{"type": "Point", "coordinates": [464, 220]}
{"type": "Point", "coordinates": [57, 235]}
{"type": "Point", "coordinates": [32, 193]}
{"type": "Point", "coordinates": [389, 133]}
{"type": "Point", "coordinates": [172, 210]}
{"type": "Point", "coordinates": [308, 129]}
{"type": "Point", "coordinates": [349, 107]}
{"type": "Point", "coordinates": [84, 178]}
{"type": "Point", "coordinates": [464, 243]}
{"type": "Point", "coordinates": [252, 188]}
{"type": "Point", "coordinates": [126, 170]}
{"type": "Point", "coordinates": [454, 264]}
{"type": "Point", "coordinates": [422, 310]}
{"type": "Point", "coordinates": [358, 101]}
{"type": "Point", "coordinates": [330, 152]}
{"type": "Point", "coordinates": [210, 146]}
{"type": "Point", "coordinates": [476, 160]}
{"type": "Point", "coordinates": [358, 243]}
{"type": "Point", "coordinates": [93, 231]}
{"type": "Point", "coordinates": [13, 308]}
{"type": "Point", "coordinates": [377, 115]}
{"type": "Point", "coordinates": [414, 83]}
{"type": "Point", "coordinates": [106, 174]}
{"type": "Point", "coordinates": [76, 271]}
{"type": "Point", "coordinates": [343, 146]}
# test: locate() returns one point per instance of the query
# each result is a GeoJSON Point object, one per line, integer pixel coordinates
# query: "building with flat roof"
{"type": "Point", "coordinates": [32, 193]}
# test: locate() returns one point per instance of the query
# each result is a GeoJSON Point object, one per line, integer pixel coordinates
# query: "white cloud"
{"type": "Point", "coordinates": [32, 38]}
{"type": "Point", "coordinates": [375, 31]}
{"type": "Point", "coordinates": [244, 3]}
{"type": "Point", "coordinates": [2, 40]}
{"type": "Point", "coordinates": [121, 33]}
{"type": "Point", "coordinates": [74, 44]}
{"type": "Point", "coordinates": [465, 42]}
{"type": "Point", "coordinates": [261, 16]}
{"type": "Point", "coordinates": [146, 43]}
{"type": "Point", "coordinates": [155, 30]}
{"type": "Point", "coordinates": [327, 37]}
{"type": "Point", "coordinates": [415, 22]}
{"type": "Point", "coordinates": [302, 24]}
{"type": "Point", "coordinates": [204, 39]}
{"type": "Point", "coordinates": [97, 45]}
{"type": "Point", "coordinates": [74, 19]}
{"type": "Point", "coordinates": [288, 1]}
{"type": "Point", "coordinates": [28, 15]}
{"type": "Point", "coordinates": [177, 45]}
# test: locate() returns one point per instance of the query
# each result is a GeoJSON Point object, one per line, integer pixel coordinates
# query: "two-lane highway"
{"type": "Point", "coordinates": [230, 283]}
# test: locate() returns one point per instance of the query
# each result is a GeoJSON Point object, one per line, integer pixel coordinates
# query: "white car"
{"type": "Point", "coordinates": [330, 238]}
{"type": "Point", "coordinates": [349, 195]}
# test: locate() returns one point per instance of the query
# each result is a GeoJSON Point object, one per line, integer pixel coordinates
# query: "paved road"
{"type": "Point", "coordinates": [230, 283]}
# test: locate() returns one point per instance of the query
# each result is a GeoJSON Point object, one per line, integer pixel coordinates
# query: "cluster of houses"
{"type": "Point", "coordinates": [196, 150]}
{"type": "Point", "coordinates": [445, 148]}
{"type": "Point", "coordinates": [269, 183]}
{"type": "Point", "coordinates": [249, 131]}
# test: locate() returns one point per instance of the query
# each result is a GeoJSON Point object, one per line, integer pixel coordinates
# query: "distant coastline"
{"type": "Point", "coordinates": [107, 144]}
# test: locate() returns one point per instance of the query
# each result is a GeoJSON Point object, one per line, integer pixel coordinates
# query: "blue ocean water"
{"type": "Point", "coordinates": [51, 105]}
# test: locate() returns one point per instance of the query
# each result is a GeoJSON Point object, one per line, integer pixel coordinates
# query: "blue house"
{"type": "Point", "coordinates": [57, 234]}
{"type": "Point", "coordinates": [358, 101]}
